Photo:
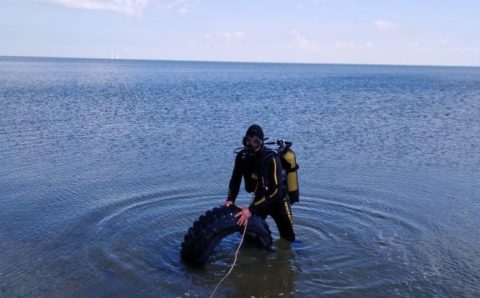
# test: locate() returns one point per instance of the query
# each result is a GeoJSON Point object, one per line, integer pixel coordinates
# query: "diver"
{"type": "Point", "coordinates": [261, 169]}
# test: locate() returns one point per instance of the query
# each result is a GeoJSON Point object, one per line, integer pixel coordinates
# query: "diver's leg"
{"type": "Point", "coordinates": [282, 215]}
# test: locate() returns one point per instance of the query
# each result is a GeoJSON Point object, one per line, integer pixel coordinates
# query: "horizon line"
{"type": "Point", "coordinates": [236, 61]}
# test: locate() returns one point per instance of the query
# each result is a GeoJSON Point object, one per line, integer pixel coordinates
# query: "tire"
{"type": "Point", "coordinates": [213, 226]}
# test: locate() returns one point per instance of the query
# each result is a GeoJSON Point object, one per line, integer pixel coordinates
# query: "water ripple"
{"type": "Point", "coordinates": [105, 164]}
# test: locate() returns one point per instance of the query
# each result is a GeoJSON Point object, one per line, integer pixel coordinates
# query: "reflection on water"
{"type": "Point", "coordinates": [105, 165]}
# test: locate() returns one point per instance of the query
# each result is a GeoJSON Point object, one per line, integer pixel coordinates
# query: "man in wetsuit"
{"type": "Point", "coordinates": [261, 170]}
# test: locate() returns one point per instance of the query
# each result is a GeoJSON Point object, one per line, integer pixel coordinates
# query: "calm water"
{"type": "Point", "coordinates": [105, 164]}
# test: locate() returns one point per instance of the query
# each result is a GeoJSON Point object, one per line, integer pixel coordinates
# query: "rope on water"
{"type": "Point", "coordinates": [236, 252]}
{"type": "Point", "coordinates": [234, 261]}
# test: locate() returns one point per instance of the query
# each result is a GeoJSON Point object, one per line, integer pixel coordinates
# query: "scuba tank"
{"type": "Point", "coordinates": [290, 165]}
{"type": "Point", "coordinates": [289, 169]}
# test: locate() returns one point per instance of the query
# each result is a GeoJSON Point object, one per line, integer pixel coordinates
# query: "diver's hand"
{"type": "Point", "coordinates": [228, 203]}
{"type": "Point", "coordinates": [243, 215]}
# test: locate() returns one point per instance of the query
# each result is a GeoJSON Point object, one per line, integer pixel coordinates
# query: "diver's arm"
{"type": "Point", "coordinates": [235, 181]}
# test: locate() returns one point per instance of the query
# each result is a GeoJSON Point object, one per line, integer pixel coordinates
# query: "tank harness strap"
{"type": "Point", "coordinates": [264, 175]}
{"type": "Point", "coordinates": [292, 170]}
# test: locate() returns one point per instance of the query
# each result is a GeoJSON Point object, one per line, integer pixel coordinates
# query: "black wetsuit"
{"type": "Point", "coordinates": [262, 175]}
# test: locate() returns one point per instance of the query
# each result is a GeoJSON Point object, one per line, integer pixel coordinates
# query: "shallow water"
{"type": "Point", "coordinates": [105, 165]}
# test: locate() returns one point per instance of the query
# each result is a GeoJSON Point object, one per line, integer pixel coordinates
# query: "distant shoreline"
{"type": "Point", "coordinates": [19, 58]}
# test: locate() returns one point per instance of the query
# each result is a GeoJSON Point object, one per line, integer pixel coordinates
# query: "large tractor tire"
{"type": "Point", "coordinates": [215, 225]}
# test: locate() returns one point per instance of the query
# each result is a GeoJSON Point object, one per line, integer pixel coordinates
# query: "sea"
{"type": "Point", "coordinates": [105, 164]}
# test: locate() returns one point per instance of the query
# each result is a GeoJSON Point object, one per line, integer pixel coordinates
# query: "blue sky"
{"type": "Point", "coordinates": [421, 32]}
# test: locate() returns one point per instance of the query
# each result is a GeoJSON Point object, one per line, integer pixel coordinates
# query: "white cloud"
{"type": "Point", "coordinates": [302, 42]}
{"type": "Point", "coordinates": [385, 25]}
{"type": "Point", "coordinates": [233, 36]}
{"type": "Point", "coordinates": [127, 7]}
{"type": "Point", "coordinates": [440, 46]}
{"type": "Point", "coordinates": [353, 45]}
{"type": "Point", "coordinates": [220, 43]}
{"type": "Point", "coordinates": [180, 6]}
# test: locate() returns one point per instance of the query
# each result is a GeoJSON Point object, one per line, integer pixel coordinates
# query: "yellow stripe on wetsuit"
{"type": "Point", "coordinates": [263, 199]}
{"type": "Point", "coordinates": [289, 213]}
{"type": "Point", "coordinates": [275, 171]}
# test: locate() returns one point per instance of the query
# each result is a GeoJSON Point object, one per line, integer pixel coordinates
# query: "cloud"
{"type": "Point", "coordinates": [440, 46]}
{"type": "Point", "coordinates": [180, 6]}
{"type": "Point", "coordinates": [385, 25]}
{"type": "Point", "coordinates": [233, 36]}
{"type": "Point", "coordinates": [127, 7]}
{"type": "Point", "coordinates": [353, 45]}
{"type": "Point", "coordinates": [302, 42]}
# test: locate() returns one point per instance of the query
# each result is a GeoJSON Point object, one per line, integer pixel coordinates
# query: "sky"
{"type": "Point", "coordinates": [405, 32]}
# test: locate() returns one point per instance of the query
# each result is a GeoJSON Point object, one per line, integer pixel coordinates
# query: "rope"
{"type": "Point", "coordinates": [236, 254]}
{"type": "Point", "coordinates": [234, 261]}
